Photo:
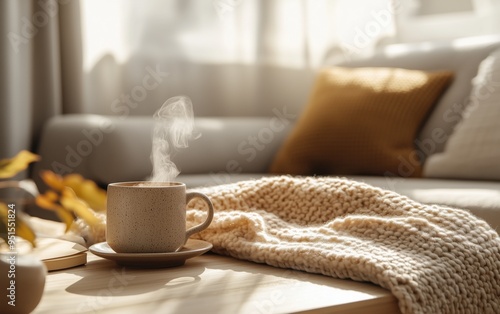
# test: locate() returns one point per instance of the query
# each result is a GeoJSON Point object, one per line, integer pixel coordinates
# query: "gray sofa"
{"type": "Point", "coordinates": [109, 149]}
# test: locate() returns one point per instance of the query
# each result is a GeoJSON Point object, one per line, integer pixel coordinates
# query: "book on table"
{"type": "Point", "coordinates": [60, 254]}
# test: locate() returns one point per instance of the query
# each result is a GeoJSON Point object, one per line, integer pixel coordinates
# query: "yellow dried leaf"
{"type": "Point", "coordinates": [87, 191]}
{"type": "Point", "coordinates": [25, 232]}
{"type": "Point", "coordinates": [52, 179]}
{"type": "Point", "coordinates": [81, 209]}
{"type": "Point", "coordinates": [22, 229]}
{"type": "Point", "coordinates": [51, 196]}
{"type": "Point", "coordinates": [49, 201]}
{"type": "Point", "coordinates": [66, 217]}
{"type": "Point", "coordinates": [72, 179]}
{"type": "Point", "coordinates": [11, 167]}
{"type": "Point", "coordinates": [3, 222]}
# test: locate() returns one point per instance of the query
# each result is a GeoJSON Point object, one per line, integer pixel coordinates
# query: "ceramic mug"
{"type": "Point", "coordinates": [150, 217]}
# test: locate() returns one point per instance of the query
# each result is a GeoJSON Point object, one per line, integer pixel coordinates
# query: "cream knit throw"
{"type": "Point", "coordinates": [434, 259]}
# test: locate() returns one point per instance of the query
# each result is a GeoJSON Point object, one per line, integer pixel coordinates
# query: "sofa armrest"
{"type": "Point", "coordinates": [110, 149]}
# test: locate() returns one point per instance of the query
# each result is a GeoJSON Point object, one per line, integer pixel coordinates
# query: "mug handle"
{"type": "Point", "coordinates": [210, 216]}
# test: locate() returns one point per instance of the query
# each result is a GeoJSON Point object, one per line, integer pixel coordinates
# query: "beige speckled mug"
{"type": "Point", "coordinates": [150, 217]}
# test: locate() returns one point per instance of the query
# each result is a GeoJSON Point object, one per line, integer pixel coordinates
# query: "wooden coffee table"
{"type": "Point", "coordinates": [206, 284]}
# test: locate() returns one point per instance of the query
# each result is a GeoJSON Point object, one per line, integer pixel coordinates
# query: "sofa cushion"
{"type": "Point", "coordinates": [361, 121]}
{"type": "Point", "coordinates": [473, 150]}
{"type": "Point", "coordinates": [482, 198]}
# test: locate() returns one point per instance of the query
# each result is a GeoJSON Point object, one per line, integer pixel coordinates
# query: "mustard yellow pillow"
{"type": "Point", "coordinates": [361, 121]}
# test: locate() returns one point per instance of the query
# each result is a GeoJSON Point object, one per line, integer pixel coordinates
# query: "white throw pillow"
{"type": "Point", "coordinates": [473, 149]}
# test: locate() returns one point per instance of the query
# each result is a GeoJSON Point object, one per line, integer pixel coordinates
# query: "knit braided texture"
{"type": "Point", "coordinates": [434, 259]}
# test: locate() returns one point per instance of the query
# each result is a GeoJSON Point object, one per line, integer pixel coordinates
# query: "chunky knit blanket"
{"type": "Point", "coordinates": [434, 259]}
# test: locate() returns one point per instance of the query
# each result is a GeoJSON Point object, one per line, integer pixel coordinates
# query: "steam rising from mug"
{"type": "Point", "coordinates": [174, 127]}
